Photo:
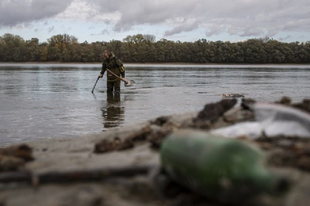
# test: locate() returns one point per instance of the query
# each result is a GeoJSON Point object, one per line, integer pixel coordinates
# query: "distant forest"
{"type": "Point", "coordinates": [145, 49]}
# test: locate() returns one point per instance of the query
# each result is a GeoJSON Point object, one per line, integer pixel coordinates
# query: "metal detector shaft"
{"type": "Point", "coordinates": [127, 82]}
{"type": "Point", "coordinates": [116, 75]}
{"type": "Point", "coordinates": [92, 91]}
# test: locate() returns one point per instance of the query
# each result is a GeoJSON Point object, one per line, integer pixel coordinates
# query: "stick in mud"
{"type": "Point", "coordinates": [74, 176]}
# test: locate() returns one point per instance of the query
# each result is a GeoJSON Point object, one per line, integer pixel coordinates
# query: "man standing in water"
{"type": "Point", "coordinates": [113, 64]}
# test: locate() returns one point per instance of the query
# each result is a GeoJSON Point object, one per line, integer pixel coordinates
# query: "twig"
{"type": "Point", "coordinates": [74, 176]}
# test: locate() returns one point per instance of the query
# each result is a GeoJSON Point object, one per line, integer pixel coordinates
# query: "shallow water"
{"type": "Point", "coordinates": [55, 100]}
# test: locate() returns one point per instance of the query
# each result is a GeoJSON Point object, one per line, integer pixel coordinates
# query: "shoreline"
{"type": "Point", "coordinates": [177, 64]}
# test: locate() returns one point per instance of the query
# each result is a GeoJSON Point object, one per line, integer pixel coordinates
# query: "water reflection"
{"type": "Point", "coordinates": [113, 110]}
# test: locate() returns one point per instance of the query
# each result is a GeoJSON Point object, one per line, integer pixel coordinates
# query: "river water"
{"type": "Point", "coordinates": [54, 100]}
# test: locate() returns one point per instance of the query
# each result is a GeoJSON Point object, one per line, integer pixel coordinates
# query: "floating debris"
{"type": "Point", "coordinates": [271, 120]}
{"type": "Point", "coordinates": [282, 120]}
{"type": "Point", "coordinates": [232, 95]}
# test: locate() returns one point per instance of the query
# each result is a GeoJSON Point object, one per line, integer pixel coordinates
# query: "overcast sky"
{"type": "Point", "coordinates": [183, 20]}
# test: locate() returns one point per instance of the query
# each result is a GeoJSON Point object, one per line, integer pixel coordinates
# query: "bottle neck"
{"type": "Point", "coordinates": [268, 182]}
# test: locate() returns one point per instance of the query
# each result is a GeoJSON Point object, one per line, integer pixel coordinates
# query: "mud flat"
{"type": "Point", "coordinates": [122, 166]}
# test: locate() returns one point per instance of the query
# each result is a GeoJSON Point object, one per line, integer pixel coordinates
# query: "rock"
{"type": "Point", "coordinates": [304, 105]}
{"type": "Point", "coordinates": [212, 112]}
{"type": "Point", "coordinates": [285, 100]}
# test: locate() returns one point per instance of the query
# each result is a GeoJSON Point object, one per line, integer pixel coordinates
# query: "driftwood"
{"type": "Point", "coordinates": [14, 157]}
{"type": "Point", "coordinates": [22, 151]}
{"type": "Point", "coordinates": [118, 144]}
{"type": "Point", "coordinates": [74, 176]}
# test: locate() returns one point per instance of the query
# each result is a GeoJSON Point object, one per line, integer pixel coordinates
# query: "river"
{"type": "Point", "coordinates": [40, 101]}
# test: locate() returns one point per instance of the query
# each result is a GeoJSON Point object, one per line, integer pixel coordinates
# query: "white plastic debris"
{"type": "Point", "coordinates": [272, 120]}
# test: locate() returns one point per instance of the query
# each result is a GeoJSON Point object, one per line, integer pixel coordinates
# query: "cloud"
{"type": "Point", "coordinates": [139, 12]}
{"type": "Point", "coordinates": [245, 18]}
{"type": "Point", "coordinates": [188, 25]}
{"type": "Point", "coordinates": [242, 17]}
{"type": "Point", "coordinates": [285, 38]}
{"type": "Point", "coordinates": [50, 29]}
{"type": "Point", "coordinates": [13, 12]}
{"type": "Point", "coordinates": [105, 31]}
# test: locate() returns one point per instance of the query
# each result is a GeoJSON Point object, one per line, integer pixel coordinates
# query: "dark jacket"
{"type": "Point", "coordinates": [115, 65]}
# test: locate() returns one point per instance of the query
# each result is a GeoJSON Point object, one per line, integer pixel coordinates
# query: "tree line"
{"type": "Point", "coordinates": [141, 48]}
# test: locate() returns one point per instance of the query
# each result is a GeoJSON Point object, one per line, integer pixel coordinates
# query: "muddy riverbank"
{"type": "Point", "coordinates": [65, 171]}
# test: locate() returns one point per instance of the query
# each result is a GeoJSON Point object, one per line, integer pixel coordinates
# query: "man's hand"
{"type": "Point", "coordinates": [124, 80]}
{"type": "Point", "coordinates": [100, 75]}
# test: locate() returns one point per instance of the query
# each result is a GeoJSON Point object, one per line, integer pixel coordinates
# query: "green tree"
{"type": "Point", "coordinates": [145, 48]}
{"type": "Point", "coordinates": [60, 47]}
{"type": "Point", "coordinates": [33, 50]}
{"type": "Point", "coordinates": [13, 48]}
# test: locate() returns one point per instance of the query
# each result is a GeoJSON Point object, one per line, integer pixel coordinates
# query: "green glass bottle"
{"type": "Point", "coordinates": [219, 168]}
